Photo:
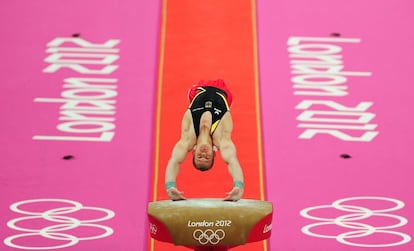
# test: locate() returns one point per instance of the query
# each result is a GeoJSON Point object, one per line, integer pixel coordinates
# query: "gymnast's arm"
{"type": "Point", "coordinates": [178, 155]}
{"type": "Point", "coordinates": [229, 155]}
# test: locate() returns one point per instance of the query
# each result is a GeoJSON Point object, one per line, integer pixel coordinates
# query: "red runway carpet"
{"type": "Point", "coordinates": [198, 43]}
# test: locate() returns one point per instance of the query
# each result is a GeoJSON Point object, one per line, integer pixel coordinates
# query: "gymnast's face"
{"type": "Point", "coordinates": [203, 157]}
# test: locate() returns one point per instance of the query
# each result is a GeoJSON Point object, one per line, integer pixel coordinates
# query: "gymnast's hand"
{"type": "Point", "coordinates": [174, 194]}
{"type": "Point", "coordinates": [235, 194]}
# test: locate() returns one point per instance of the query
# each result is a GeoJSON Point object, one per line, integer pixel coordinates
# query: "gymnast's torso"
{"type": "Point", "coordinates": [211, 99]}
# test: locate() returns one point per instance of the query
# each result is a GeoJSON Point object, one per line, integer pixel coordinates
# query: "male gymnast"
{"type": "Point", "coordinates": [206, 128]}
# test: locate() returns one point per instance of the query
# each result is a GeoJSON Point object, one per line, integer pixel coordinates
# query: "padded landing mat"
{"type": "Point", "coordinates": [77, 82]}
{"type": "Point", "coordinates": [337, 100]}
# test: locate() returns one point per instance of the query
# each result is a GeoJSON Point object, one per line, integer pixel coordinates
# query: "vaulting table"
{"type": "Point", "coordinates": [210, 224]}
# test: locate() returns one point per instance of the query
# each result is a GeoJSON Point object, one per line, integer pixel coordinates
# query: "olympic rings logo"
{"type": "Point", "coordinates": [153, 228]}
{"type": "Point", "coordinates": [62, 223]}
{"type": "Point", "coordinates": [360, 229]}
{"type": "Point", "coordinates": [209, 236]}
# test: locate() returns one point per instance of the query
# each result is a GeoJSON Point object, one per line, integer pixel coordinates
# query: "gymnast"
{"type": "Point", "coordinates": [206, 128]}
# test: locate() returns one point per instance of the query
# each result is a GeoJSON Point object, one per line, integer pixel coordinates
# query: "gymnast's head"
{"type": "Point", "coordinates": [203, 157]}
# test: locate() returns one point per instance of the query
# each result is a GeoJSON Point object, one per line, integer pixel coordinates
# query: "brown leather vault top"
{"type": "Point", "coordinates": [198, 222]}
